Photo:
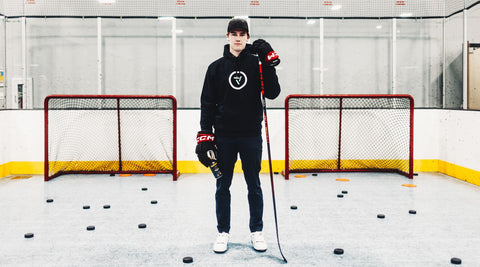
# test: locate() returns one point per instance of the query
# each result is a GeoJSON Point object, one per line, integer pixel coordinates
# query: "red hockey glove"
{"type": "Point", "coordinates": [266, 53]}
{"type": "Point", "coordinates": [205, 143]}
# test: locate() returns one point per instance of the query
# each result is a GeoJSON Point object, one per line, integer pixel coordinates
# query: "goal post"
{"type": "Point", "coordinates": [110, 134]}
{"type": "Point", "coordinates": [349, 133]}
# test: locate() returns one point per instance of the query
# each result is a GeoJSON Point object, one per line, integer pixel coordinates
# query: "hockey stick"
{"type": "Point", "coordinates": [269, 156]}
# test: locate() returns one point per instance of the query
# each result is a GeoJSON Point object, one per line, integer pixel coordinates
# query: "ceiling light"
{"type": "Point", "coordinates": [106, 2]}
{"type": "Point", "coordinates": [336, 7]}
{"type": "Point", "coordinates": [166, 18]}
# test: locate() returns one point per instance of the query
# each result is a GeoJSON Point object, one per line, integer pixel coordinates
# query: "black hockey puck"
{"type": "Point", "coordinates": [456, 261]}
{"type": "Point", "coordinates": [112, 174]}
{"type": "Point", "coordinates": [293, 207]}
{"type": "Point", "coordinates": [381, 216]}
{"type": "Point", "coordinates": [344, 192]}
{"type": "Point", "coordinates": [144, 189]}
{"type": "Point", "coordinates": [153, 202]}
{"type": "Point", "coordinates": [142, 225]}
{"type": "Point", "coordinates": [49, 200]}
{"type": "Point", "coordinates": [106, 206]}
{"type": "Point", "coordinates": [187, 259]}
{"type": "Point", "coordinates": [28, 235]}
{"type": "Point", "coordinates": [314, 174]}
{"type": "Point", "coordinates": [338, 251]}
{"type": "Point", "coordinates": [339, 195]}
{"type": "Point", "coordinates": [412, 211]}
{"type": "Point", "coordinates": [86, 207]}
{"type": "Point", "coordinates": [90, 228]}
{"type": "Point", "coordinates": [273, 173]}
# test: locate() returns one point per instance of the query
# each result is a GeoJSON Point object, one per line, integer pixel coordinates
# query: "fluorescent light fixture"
{"type": "Point", "coordinates": [166, 18]}
{"type": "Point", "coordinates": [178, 31]}
{"type": "Point", "coordinates": [406, 15]}
{"type": "Point", "coordinates": [336, 7]}
{"type": "Point", "coordinates": [379, 27]}
{"type": "Point", "coordinates": [106, 1]}
{"type": "Point", "coordinates": [241, 17]}
{"type": "Point", "coordinates": [311, 21]}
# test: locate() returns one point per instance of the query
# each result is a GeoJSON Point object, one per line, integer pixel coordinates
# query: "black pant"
{"type": "Point", "coordinates": [250, 150]}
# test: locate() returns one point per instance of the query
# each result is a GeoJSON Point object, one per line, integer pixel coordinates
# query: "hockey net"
{"type": "Point", "coordinates": [110, 134]}
{"type": "Point", "coordinates": [339, 133]}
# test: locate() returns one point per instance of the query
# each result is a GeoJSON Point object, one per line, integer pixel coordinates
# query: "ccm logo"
{"type": "Point", "coordinates": [272, 55]}
{"type": "Point", "coordinates": [203, 138]}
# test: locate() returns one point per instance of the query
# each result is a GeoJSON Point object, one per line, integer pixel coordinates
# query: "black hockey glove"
{"type": "Point", "coordinates": [205, 143]}
{"type": "Point", "coordinates": [266, 53]}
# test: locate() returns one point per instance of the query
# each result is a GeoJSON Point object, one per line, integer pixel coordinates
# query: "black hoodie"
{"type": "Point", "coordinates": [231, 94]}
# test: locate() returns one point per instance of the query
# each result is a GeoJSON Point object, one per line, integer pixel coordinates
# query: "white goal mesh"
{"type": "Point", "coordinates": [110, 134]}
{"type": "Point", "coordinates": [349, 133]}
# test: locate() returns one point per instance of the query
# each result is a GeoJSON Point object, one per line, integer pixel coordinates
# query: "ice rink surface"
{"type": "Point", "coordinates": [182, 223]}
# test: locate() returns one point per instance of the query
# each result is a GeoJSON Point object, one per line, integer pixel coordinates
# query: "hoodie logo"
{"type": "Point", "coordinates": [237, 80]}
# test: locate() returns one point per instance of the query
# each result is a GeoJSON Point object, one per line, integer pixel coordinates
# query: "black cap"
{"type": "Point", "coordinates": [237, 24]}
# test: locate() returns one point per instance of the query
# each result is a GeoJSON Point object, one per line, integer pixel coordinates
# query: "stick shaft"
{"type": "Point", "coordinates": [269, 157]}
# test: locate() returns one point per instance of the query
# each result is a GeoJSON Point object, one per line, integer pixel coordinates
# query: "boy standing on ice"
{"type": "Point", "coordinates": [231, 124]}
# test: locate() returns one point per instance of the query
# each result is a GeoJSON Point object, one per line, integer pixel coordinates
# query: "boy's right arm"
{"type": "Point", "coordinates": [205, 137]}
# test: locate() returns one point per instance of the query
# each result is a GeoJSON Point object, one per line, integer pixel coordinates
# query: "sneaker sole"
{"type": "Point", "coordinates": [259, 250]}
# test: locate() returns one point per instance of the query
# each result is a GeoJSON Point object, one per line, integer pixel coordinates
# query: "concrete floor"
{"type": "Point", "coordinates": [182, 223]}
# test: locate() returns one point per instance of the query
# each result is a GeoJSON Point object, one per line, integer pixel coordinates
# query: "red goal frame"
{"type": "Point", "coordinates": [175, 173]}
{"type": "Point", "coordinates": [287, 170]}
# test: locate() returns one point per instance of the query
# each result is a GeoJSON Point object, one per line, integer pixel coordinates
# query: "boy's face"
{"type": "Point", "coordinates": [238, 40]}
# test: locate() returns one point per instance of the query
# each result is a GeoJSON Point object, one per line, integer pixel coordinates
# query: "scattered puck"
{"type": "Point", "coordinates": [28, 235]}
{"type": "Point", "coordinates": [86, 207]}
{"type": "Point", "coordinates": [293, 207]}
{"type": "Point", "coordinates": [314, 174]}
{"type": "Point", "coordinates": [339, 195]}
{"type": "Point", "coordinates": [142, 225]}
{"type": "Point", "coordinates": [338, 251]}
{"type": "Point", "coordinates": [153, 202]}
{"type": "Point", "coordinates": [49, 200]}
{"type": "Point", "coordinates": [344, 192]}
{"type": "Point", "coordinates": [112, 174]}
{"type": "Point", "coordinates": [90, 228]}
{"type": "Point", "coordinates": [381, 216]}
{"type": "Point", "coordinates": [187, 259]}
{"type": "Point", "coordinates": [415, 174]}
{"type": "Point", "coordinates": [144, 189]}
{"type": "Point", "coordinates": [106, 206]}
{"type": "Point", "coordinates": [412, 211]}
{"type": "Point", "coordinates": [456, 261]}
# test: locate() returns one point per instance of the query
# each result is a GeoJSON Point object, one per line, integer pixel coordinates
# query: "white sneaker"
{"type": "Point", "coordinates": [220, 245]}
{"type": "Point", "coordinates": [258, 241]}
